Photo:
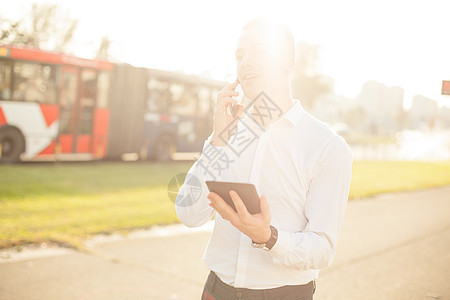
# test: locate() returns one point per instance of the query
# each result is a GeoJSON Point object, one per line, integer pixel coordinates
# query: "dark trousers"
{"type": "Point", "coordinates": [216, 289]}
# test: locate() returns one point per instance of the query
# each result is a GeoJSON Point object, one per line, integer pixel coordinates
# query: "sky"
{"type": "Point", "coordinates": [399, 43]}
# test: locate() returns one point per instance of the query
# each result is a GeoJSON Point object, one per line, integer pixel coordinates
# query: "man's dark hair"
{"type": "Point", "coordinates": [283, 34]}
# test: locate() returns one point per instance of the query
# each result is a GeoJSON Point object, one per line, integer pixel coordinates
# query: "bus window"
{"type": "Point", "coordinates": [177, 91]}
{"type": "Point", "coordinates": [183, 98]}
{"type": "Point", "coordinates": [34, 82]}
{"type": "Point", "coordinates": [68, 96]}
{"type": "Point", "coordinates": [5, 80]}
{"type": "Point", "coordinates": [103, 89]}
{"type": "Point", "coordinates": [87, 100]}
{"type": "Point", "coordinates": [158, 96]}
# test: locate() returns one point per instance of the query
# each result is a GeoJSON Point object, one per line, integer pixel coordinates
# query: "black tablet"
{"type": "Point", "coordinates": [246, 191]}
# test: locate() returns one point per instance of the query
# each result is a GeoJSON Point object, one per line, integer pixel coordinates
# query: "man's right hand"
{"type": "Point", "coordinates": [224, 122]}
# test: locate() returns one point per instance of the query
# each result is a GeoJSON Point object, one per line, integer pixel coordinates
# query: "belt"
{"type": "Point", "coordinates": [226, 291]}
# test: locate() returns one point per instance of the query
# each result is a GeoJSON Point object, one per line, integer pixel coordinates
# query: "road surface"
{"type": "Point", "coordinates": [392, 246]}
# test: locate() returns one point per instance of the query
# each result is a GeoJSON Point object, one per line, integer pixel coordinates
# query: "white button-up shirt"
{"type": "Point", "coordinates": [304, 169]}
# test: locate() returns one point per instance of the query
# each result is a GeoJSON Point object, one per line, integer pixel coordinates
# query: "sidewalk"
{"type": "Point", "coordinates": [393, 246]}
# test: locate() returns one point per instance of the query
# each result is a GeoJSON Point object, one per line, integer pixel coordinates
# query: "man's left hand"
{"type": "Point", "coordinates": [256, 226]}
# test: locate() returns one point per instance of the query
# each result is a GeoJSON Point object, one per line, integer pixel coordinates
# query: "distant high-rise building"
{"type": "Point", "coordinates": [383, 107]}
{"type": "Point", "coordinates": [423, 112]}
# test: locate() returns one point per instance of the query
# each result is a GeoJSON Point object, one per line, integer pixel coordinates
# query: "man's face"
{"type": "Point", "coordinates": [260, 62]}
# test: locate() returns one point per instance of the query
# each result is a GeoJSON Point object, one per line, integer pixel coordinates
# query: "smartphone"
{"type": "Point", "coordinates": [234, 108]}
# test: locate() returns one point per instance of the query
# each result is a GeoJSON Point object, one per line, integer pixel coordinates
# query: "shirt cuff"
{"type": "Point", "coordinates": [208, 142]}
{"type": "Point", "coordinates": [282, 244]}
{"type": "Point", "coordinates": [213, 160]}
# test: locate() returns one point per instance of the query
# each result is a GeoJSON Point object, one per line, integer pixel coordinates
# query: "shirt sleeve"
{"type": "Point", "coordinates": [191, 205]}
{"type": "Point", "coordinates": [326, 200]}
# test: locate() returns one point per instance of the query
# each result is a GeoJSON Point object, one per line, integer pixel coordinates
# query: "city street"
{"type": "Point", "coordinates": [392, 246]}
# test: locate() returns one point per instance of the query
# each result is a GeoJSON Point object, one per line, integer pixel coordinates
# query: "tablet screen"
{"type": "Point", "coordinates": [246, 191]}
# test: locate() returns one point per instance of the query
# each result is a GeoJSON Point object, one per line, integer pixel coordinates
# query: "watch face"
{"type": "Point", "coordinates": [259, 246]}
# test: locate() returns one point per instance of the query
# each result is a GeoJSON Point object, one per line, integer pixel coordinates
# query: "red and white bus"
{"type": "Point", "coordinates": [52, 106]}
{"type": "Point", "coordinates": [59, 107]}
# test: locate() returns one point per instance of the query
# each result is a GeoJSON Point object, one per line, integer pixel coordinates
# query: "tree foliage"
{"type": "Point", "coordinates": [45, 27]}
{"type": "Point", "coordinates": [103, 50]}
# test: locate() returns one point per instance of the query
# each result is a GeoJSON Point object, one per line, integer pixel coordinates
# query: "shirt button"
{"type": "Point", "coordinates": [239, 294]}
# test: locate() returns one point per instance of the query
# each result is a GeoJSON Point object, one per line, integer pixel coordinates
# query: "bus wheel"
{"type": "Point", "coordinates": [164, 148]}
{"type": "Point", "coordinates": [12, 144]}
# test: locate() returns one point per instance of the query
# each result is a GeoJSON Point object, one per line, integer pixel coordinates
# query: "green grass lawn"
{"type": "Point", "coordinates": [67, 203]}
{"type": "Point", "coordinates": [372, 177]}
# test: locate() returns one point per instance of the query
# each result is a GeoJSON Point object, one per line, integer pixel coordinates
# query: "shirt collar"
{"type": "Point", "coordinates": [295, 113]}
{"type": "Point", "coordinates": [293, 116]}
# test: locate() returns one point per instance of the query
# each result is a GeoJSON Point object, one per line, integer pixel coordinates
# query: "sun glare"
{"type": "Point", "coordinates": [397, 43]}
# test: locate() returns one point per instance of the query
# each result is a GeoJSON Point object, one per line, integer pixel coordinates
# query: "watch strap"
{"type": "Point", "coordinates": [273, 237]}
{"type": "Point", "coordinates": [271, 242]}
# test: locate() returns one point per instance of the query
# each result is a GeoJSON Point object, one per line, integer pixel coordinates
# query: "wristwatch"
{"type": "Point", "coordinates": [270, 243]}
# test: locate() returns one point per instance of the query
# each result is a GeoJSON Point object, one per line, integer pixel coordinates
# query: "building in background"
{"type": "Point", "coordinates": [423, 113]}
{"type": "Point", "coordinates": [382, 107]}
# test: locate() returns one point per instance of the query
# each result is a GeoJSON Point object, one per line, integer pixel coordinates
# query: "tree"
{"type": "Point", "coordinates": [307, 82]}
{"type": "Point", "coordinates": [46, 27]}
{"type": "Point", "coordinates": [103, 50]}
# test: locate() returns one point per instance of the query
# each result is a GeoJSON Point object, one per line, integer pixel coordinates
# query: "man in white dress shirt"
{"type": "Point", "coordinates": [301, 170]}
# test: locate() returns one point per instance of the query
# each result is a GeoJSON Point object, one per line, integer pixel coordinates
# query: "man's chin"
{"type": "Point", "coordinates": [252, 92]}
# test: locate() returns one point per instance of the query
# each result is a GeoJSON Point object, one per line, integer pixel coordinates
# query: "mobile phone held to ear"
{"type": "Point", "coordinates": [235, 108]}
{"type": "Point", "coordinates": [246, 191]}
